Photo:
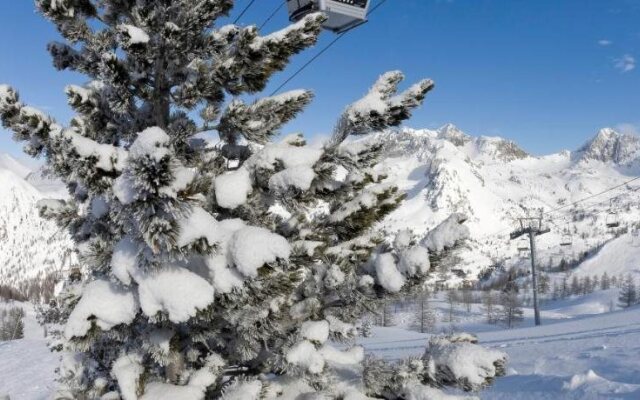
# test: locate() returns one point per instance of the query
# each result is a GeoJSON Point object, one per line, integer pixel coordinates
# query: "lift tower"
{"type": "Point", "coordinates": [533, 227]}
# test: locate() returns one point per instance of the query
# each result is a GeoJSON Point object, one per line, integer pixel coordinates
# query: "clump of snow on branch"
{"type": "Point", "coordinates": [127, 370]}
{"type": "Point", "coordinates": [306, 356]}
{"type": "Point", "coordinates": [232, 188]}
{"type": "Point", "coordinates": [316, 331]}
{"type": "Point", "coordinates": [447, 233]}
{"type": "Point", "coordinates": [459, 361]}
{"type": "Point", "coordinates": [152, 142]}
{"type": "Point", "coordinates": [414, 261]}
{"type": "Point", "coordinates": [243, 390]}
{"type": "Point", "coordinates": [123, 260]}
{"type": "Point", "coordinates": [252, 247]}
{"type": "Point", "coordinates": [104, 303]}
{"type": "Point", "coordinates": [299, 177]}
{"type": "Point", "coordinates": [174, 290]}
{"type": "Point", "coordinates": [135, 34]}
{"type": "Point", "coordinates": [387, 274]}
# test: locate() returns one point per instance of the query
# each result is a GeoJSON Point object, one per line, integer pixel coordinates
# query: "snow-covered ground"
{"type": "Point", "coordinates": [582, 351]}
{"type": "Point", "coordinates": [579, 352]}
{"type": "Point", "coordinates": [27, 367]}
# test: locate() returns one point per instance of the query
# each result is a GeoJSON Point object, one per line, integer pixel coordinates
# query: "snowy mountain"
{"type": "Point", "coordinates": [31, 249]}
{"type": "Point", "coordinates": [490, 179]}
{"type": "Point", "coordinates": [493, 181]}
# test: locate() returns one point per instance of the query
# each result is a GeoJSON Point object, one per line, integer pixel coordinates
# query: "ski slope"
{"type": "Point", "coordinates": [620, 256]}
{"type": "Point", "coordinates": [578, 353]}
{"type": "Point", "coordinates": [582, 351]}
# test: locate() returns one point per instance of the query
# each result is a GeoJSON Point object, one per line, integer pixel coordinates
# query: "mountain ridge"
{"type": "Point", "coordinates": [489, 179]}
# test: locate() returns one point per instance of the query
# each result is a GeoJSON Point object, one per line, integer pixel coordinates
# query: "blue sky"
{"type": "Point", "coordinates": [545, 73]}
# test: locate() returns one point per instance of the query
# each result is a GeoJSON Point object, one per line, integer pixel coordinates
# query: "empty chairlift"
{"type": "Point", "coordinates": [613, 220]}
{"type": "Point", "coordinates": [342, 15]}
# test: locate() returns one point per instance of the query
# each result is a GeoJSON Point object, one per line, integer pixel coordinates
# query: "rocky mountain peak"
{"type": "Point", "coordinates": [609, 145]}
{"type": "Point", "coordinates": [451, 133]}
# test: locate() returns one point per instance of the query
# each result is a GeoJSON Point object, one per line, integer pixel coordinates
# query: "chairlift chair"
{"type": "Point", "coordinates": [612, 220]}
{"type": "Point", "coordinates": [566, 241]}
{"type": "Point", "coordinates": [523, 252]}
{"type": "Point", "coordinates": [342, 15]}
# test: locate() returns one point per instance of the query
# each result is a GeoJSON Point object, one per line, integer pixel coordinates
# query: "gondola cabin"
{"type": "Point", "coordinates": [342, 14]}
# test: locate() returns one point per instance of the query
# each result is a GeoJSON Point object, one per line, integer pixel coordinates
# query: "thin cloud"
{"type": "Point", "coordinates": [626, 63]}
{"type": "Point", "coordinates": [628, 128]}
{"type": "Point", "coordinates": [605, 42]}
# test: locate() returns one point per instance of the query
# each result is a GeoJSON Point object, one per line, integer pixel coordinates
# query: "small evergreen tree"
{"type": "Point", "coordinates": [452, 299]}
{"type": "Point", "coordinates": [564, 287]}
{"type": "Point", "coordinates": [614, 281]}
{"type": "Point", "coordinates": [467, 297]}
{"type": "Point", "coordinates": [190, 283]}
{"type": "Point", "coordinates": [576, 287]}
{"type": "Point", "coordinates": [366, 328]}
{"type": "Point", "coordinates": [510, 313]}
{"type": "Point", "coordinates": [387, 317]}
{"type": "Point", "coordinates": [586, 285]}
{"type": "Point", "coordinates": [544, 283]}
{"type": "Point", "coordinates": [12, 323]}
{"type": "Point", "coordinates": [628, 292]}
{"type": "Point", "coordinates": [424, 319]}
{"type": "Point", "coordinates": [489, 306]}
{"type": "Point", "coordinates": [605, 282]}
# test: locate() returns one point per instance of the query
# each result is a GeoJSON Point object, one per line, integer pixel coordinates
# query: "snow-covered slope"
{"type": "Point", "coordinates": [620, 256]}
{"type": "Point", "coordinates": [30, 247]}
{"type": "Point", "coordinates": [581, 351]}
{"type": "Point", "coordinates": [494, 182]}
{"type": "Point", "coordinates": [11, 164]}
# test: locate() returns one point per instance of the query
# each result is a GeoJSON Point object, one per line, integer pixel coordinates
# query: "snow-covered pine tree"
{"type": "Point", "coordinates": [605, 282]}
{"type": "Point", "coordinates": [11, 323]}
{"type": "Point", "coordinates": [489, 306]}
{"type": "Point", "coordinates": [628, 295]}
{"type": "Point", "coordinates": [424, 319]}
{"type": "Point", "coordinates": [510, 312]}
{"type": "Point", "coordinates": [211, 271]}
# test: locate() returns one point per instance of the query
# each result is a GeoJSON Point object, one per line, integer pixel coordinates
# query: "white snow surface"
{"type": "Point", "coordinates": [619, 257]}
{"type": "Point", "coordinates": [572, 356]}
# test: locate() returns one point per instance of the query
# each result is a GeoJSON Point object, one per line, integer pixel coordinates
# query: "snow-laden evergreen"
{"type": "Point", "coordinates": [223, 271]}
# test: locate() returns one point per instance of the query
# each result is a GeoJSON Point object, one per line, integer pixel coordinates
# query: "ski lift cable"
{"type": "Point", "coordinates": [273, 14]}
{"type": "Point", "coordinates": [594, 195]}
{"type": "Point", "coordinates": [321, 52]}
{"type": "Point", "coordinates": [244, 11]}
{"type": "Point", "coordinates": [577, 202]}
